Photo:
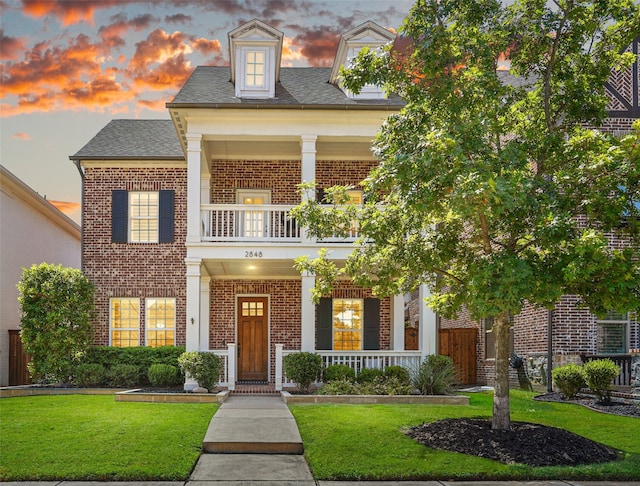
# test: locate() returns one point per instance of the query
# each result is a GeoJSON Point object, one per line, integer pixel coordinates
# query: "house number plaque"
{"type": "Point", "coordinates": [252, 254]}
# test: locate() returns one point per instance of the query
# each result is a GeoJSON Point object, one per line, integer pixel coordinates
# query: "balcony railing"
{"type": "Point", "coordinates": [254, 223]}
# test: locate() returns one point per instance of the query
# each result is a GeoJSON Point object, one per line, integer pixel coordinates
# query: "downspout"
{"type": "Point", "coordinates": [549, 350]}
{"type": "Point", "coordinates": [76, 162]}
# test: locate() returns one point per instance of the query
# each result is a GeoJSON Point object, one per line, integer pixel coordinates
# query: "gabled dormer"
{"type": "Point", "coordinates": [255, 49]}
{"type": "Point", "coordinates": [369, 35]}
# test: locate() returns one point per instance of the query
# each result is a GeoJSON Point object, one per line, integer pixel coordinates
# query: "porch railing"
{"type": "Point", "coordinates": [358, 360]}
{"type": "Point", "coordinates": [621, 360]}
{"type": "Point", "coordinates": [255, 223]}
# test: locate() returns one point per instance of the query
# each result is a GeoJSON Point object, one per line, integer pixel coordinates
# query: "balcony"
{"type": "Point", "coordinates": [251, 223]}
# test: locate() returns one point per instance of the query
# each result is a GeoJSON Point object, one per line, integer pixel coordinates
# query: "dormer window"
{"type": "Point", "coordinates": [369, 35]}
{"type": "Point", "coordinates": [255, 50]}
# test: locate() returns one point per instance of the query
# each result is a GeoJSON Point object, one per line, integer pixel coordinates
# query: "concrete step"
{"type": "Point", "coordinates": [253, 425]}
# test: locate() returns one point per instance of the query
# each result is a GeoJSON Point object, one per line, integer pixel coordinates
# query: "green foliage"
{"type": "Point", "coordinates": [203, 367]}
{"type": "Point", "coordinates": [399, 372]}
{"type": "Point", "coordinates": [338, 372]}
{"type": "Point", "coordinates": [90, 374]}
{"type": "Point", "coordinates": [163, 375]}
{"type": "Point", "coordinates": [436, 375]}
{"type": "Point", "coordinates": [124, 375]}
{"type": "Point", "coordinates": [569, 379]}
{"type": "Point", "coordinates": [303, 369]}
{"type": "Point", "coordinates": [599, 373]}
{"type": "Point", "coordinates": [57, 309]}
{"type": "Point", "coordinates": [379, 385]}
{"type": "Point", "coordinates": [342, 386]}
{"type": "Point", "coordinates": [367, 375]}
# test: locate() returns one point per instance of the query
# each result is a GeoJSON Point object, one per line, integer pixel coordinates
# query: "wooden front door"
{"type": "Point", "coordinates": [253, 339]}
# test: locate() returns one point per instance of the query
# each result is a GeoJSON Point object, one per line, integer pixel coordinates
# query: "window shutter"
{"type": "Point", "coordinates": [371, 324]}
{"type": "Point", "coordinates": [320, 195]}
{"type": "Point", "coordinates": [119, 216]}
{"type": "Point", "coordinates": [324, 327]}
{"type": "Point", "coordinates": [165, 211]}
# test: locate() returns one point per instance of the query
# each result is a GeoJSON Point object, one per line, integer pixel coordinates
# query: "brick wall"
{"type": "Point", "coordinates": [132, 270]}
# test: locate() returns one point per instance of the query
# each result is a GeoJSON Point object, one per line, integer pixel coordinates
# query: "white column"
{"type": "Point", "coordinates": [307, 315]}
{"type": "Point", "coordinates": [203, 340]}
{"type": "Point", "coordinates": [397, 323]}
{"type": "Point", "coordinates": [192, 312]}
{"type": "Point", "coordinates": [194, 155]}
{"type": "Point", "coordinates": [279, 358]}
{"type": "Point", "coordinates": [308, 172]}
{"type": "Point", "coordinates": [427, 327]}
{"type": "Point", "coordinates": [231, 366]}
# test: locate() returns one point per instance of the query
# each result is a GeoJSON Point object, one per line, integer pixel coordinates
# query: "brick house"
{"type": "Point", "coordinates": [568, 332]}
{"type": "Point", "coordinates": [186, 227]}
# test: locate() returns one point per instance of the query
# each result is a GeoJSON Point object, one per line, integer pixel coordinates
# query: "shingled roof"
{"type": "Point", "coordinates": [133, 139]}
{"type": "Point", "coordinates": [309, 87]}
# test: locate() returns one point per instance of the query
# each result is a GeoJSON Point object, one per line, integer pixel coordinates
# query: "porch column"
{"type": "Point", "coordinates": [397, 323]}
{"type": "Point", "coordinates": [307, 315]}
{"type": "Point", "coordinates": [194, 156]}
{"type": "Point", "coordinates": [427, 328]}
{"type": "Point", "coordinates": [308, 172]}
{"type": "Point", "coordinates": [192, 334]}
{"type": "Point", "coordinates": [204, 313]}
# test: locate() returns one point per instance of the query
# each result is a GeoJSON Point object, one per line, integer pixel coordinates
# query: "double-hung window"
{"type": "Point", "coordinates": [254, 76]}
{"type": "Point", "coordinates": [142, 216]}
{"type": "Point", "coordinates": [347, 324]}
{"type": "Point", "coordinates": [613, 331]}
{"type": "Point", "coordinates": [160, 316]}
{"type": "Point", "coordinates": [124, 322]}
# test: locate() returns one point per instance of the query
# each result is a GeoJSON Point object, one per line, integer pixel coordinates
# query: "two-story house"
{"type": "Point", "coordinates": [186, 227]}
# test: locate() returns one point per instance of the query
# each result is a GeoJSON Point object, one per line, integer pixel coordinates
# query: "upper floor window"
{"type": "Point", "coordinates": [613, 331]}
{"type": "Point", "coordinates": [142, 216]}
{"type": "Point", "coordinates": [255, 69]}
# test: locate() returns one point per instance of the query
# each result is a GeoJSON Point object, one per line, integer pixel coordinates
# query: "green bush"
{"type": "Point", "coordinates": [90, 374]}
{"type": "Point", "coordinates": [399, 372]}
{"type": "Point", "coordinates": [163, 375]}
{"type": "Point", "coordinates": [379, 385]}
{"type": "Point", "coordinates": [569, 379]}
{"type": "Point", "coordinates": [124, 376]}
{"type": "Point", "coordinates": [337, 387]}
{"type": "Point", "coordinates": [303, 369]}
{"type": "Point", "coordinates": [203, 367]}
{"type": "Point", "coordinates": [367, 375]}
{"type": "Point", "coordinates": [436, 375]}
{"type": "Point", "coordinates": [599, 374]}
{"type": "Point", "coordinates": [338, 372]}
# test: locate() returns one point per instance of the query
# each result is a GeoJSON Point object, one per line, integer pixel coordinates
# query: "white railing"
{"type": "Point", "coordinates": [357, 360]}
{"type": "Point", "coordinates": [228, 371]}
{"type": "Point", "coordinates": [256, 223]}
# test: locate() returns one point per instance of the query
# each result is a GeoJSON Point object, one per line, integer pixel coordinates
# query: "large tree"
{"type": "Point", "coordinates": [491, 189]}
{"type": "Point", "coordinates": [55, 327]}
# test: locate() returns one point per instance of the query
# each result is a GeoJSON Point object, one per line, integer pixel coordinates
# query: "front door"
{"type": "Point", "coordinates": [253, 339]}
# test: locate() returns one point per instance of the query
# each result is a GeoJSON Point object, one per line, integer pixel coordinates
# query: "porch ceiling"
{"type": "Point", "coordinates": [251, 268]}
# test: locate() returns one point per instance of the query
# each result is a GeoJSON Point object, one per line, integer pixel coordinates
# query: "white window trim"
{"type": "Point", "coordinates": [112, 328]}
{"type": "Point", "coordinates": [146, 319]}
{"type": "Point", "coordinates": [368, 91]}
{"type": "Point", "coordinates": [131, 218]}
{"type": "Point", "coordinates": [334, 329]}
{"type": "Point", "coordinates": [268, 88]}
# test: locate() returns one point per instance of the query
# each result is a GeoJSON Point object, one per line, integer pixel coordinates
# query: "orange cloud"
{"type": "Point", "coordinates": [21, 136]}
{"type": "Point", "coordinates": [318, 46]}
{"type": "Point", "coordinates": [68, 208]}
{"type": "Point", "coordinates": [10, 47]}
{"type": "Point", "coordinates": [68, 12]}
{"type": "Point", "coordinates": [112, 35]}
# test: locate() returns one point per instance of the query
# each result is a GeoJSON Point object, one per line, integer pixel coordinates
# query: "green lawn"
{"type": "Point", "coordinates": [367, 442]}
{"type": "Point", "coordinates": [93, 437]}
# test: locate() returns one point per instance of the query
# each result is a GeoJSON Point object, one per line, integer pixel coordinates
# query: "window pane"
{"type": "Point", "coordinates": [612, 338]}
{"type": "Point", "coordinates": [125, 322]}
{"type": "Point", "coordinates": [347, 324]}
{"type": "Point", "coordinates": [254, 69]}
{"type": "Point", "coordinates": [161, 322]}
{"type": "Point", "coordinates": [143, 217]}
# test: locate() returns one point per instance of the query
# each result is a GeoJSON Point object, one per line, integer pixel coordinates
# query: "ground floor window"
{"type": "Point", "coordinates": [613, 331]}
{"type": "Point", "coordinates": [347, 324]}
{"type": "Point", "coordinates": [124, 322]}
{"type": "Point", "coordinates": [160, 321]}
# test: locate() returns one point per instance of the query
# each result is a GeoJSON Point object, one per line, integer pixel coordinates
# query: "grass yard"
{"type": "Point", "coordinates": [344, 442]}
{"type": "Point", "coordinates": [93, 437]}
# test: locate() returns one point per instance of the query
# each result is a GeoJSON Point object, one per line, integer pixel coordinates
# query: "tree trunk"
{"type": "Point", "coordinates": [501, 414]}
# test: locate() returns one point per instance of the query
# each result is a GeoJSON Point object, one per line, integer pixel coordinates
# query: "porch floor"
{"type": "Point", "coordinates": [255, 388]}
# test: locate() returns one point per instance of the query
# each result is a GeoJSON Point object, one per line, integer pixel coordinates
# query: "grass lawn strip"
{"type": "Point", "coordinates": [344, 442]}
{"type": "Point", "coordinates": [93, 437]}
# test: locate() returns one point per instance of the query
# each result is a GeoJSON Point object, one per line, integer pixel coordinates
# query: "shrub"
{"type": "Point", "coordinates": [379, 385]}
{"type": "Point", "coordinates": [436, 375]}
{"type": "Point", "coordinates": [163, 375]}
{"type": "Point", "coordinates": [367, 375]}
{"type": "Point", "coordinates": [599, 374]}
{"type": "Point", "coordinates": [303, 369]}
{"type": "Point", "coordinates": [338, 372]}
{"type": "Point", "coordinates": [337, 387]}
{"type": "Point", "coordinates": [399, 372]}
{"type": "Point", "coordinates": [202, 367]}
{"type": "Point", "coordinates": [124, 376]}
{"type": "Point", "coordinates": [90, 374]}
{"type": "Point", "coordinates": [569, 379]}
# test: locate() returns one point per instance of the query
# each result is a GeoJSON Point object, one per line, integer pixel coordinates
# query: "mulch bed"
{"type": "Point", "coordinates": [523, 443]}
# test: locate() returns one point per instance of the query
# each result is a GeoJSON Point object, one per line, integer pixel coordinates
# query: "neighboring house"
{"type": "Point", "coordinates": [570, 332]}
{"type": "Point", "coordinates": [32, 231]}
{"type": "Point", "coordinates": [187, 234]}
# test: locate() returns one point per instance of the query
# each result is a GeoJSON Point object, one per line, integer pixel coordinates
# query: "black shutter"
{"type": "Point", "coordinates": [165, 211]}
{"type": "Point", "coordinates": [324, 327]}
{"type": "Point", "coordinates": [119, 216]}
{"type": "Point", "coordinates": [320, 195]}
{"type": "Point", "coordinates": [371, 324]}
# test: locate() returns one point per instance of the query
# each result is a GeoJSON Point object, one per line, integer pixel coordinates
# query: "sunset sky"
{"type": "Point", "coordinates": [67, 67]}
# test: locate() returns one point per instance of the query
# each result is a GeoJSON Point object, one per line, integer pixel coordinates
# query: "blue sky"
{"type": "Point", "coordinates": [67, 67]}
